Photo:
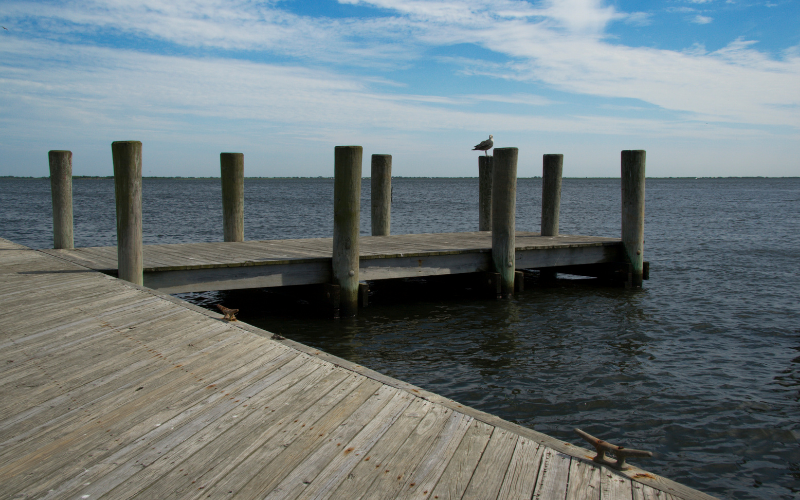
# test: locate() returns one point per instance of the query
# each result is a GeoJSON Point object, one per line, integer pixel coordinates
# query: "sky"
{"type": "Point", "coordinates": [707, 87]}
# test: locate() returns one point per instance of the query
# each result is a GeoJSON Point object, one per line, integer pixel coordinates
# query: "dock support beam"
{"type": "Point", "coordinates": [346, 210]}
{"type": "Point", "coordinates": [381, 197]}
{"type": "Point", "coordinates": [61, 191]}
{"type": "Point", "coordinates": [128, 194]}
{"type": "Point", "coordinates": [504, 201]}
{"type": "Point", "coordinates": [485, 193]}
{"type": "Point", "coordinates": [633, 163]}
{"type": "Point", "coordinates": [232, 173]}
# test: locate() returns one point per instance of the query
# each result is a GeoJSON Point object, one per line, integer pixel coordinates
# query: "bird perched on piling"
{"type": "Point", "coordinates": [485, 146]}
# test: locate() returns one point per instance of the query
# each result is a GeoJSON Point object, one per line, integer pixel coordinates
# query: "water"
{"type": "Point", "coordinates": [701, 367]}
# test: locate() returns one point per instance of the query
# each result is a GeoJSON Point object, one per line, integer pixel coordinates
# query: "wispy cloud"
{"type": "Point", "coordinates": [639, 19]}
{"type": "Point", "coordinates": [698, 19]}
{"type": "Point", "coordinates": [319, 78]}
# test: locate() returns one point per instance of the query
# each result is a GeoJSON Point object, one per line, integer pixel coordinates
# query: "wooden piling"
{"type": "Point", "coordinates": [551, 203]}
{"type": "Point", "coordinates": [633, 175]}
{"type": "Point", "coordinates": [381, 197]}
{"type": "Point", "coordinates": [128, 194]}
{"type": "Point", "coordinates": [61, 192]}
{"type": "Point", "coordinates": [551, 193]}
{"type": "Point", "coordinates": [485, 193]}
{"type": "Point", "coordinates": [232, 174]}
{"type": "Point", "coordinates": [504, 200]}
{"type": "Point", "coordinates": [346, 209]}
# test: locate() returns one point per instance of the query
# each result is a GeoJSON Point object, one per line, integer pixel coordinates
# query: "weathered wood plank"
{"type": "Point", "coordinates": [167, 434]}
{"type": "Point", "coordinates": [458, 474]}
{"type": "Point", "coordinates": [553, 474]}
{"type": "Point", "coordinates": [310, 439]}
{"type": "Point", "coordinates": [350, 454]}
{"type": "Point", "coordinates": [523, 471]}
{"type": "Point", "coordinates": [490, 472]}
{"type": "Point", "coordinates": [188, 460]}
{"type": "Point", "coordinates": [176, 425]}
{"type": "Point", "coordinates": [614, 486]}
{"type": "Point", "coordinates": [362, 476]}
{"type": "Point", "coordinates": [306, 471]}
{"type": "Point", "coordinates": [116, 412]}
{"type": "Point", "coordinates": [421, 482]}
{"type": "Point", "coordinates": [643, 492]}
{"type": "Point", "coordinates": [246, 480]}
{"type": "Point", "coordinates": [584, 481]}
{"type": "Point", "coordinates": [395, 471]}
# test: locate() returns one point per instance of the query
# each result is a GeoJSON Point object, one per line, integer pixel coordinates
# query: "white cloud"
{"type": "Point", "coordinates": [698, 19]}
{"type": "Point", "coordinates": [639, 19]}
{"type": "Point", "coordinates": [562, 45]}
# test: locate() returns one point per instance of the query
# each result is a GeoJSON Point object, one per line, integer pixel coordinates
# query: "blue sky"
{"type": "Point", "coordinates": [707, 87]}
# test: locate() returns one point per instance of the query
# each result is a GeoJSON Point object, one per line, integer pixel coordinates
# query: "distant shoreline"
{"type": "Point", "coordinates": [394, 177]}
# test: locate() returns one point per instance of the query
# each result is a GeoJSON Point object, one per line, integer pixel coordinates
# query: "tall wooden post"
{"type": "Point", "coordinates": [346, 209]}
{"type": "Point", "coordinates": [381, 183]}
{"type": "Point", "coordinates": [633, 163]}
{"type": "Point", "coordinates": [232, 174]}
{"type": "Point", "coordinates": [551, 193]}
{"type": "Point", "coordinates": [504, 201]}
{"type": "Point", "coordinates": [485, 193]}
{"type": "Point", "coordinates": [551, 204]}
{"type": "Point", "coordinates": [128, 193]}
{"type": "Point", "coordinates": [61, 191]}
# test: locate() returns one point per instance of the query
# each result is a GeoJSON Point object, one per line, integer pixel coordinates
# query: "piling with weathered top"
{"type": "Point", "coordinates": [485, 193]}
{"type": "Point", "coordinates": [61, 191]}
{"type": "Point", "coordinates": [633, 166]}
{"type": "Point", "coordinates": [381, 194]}
{"type": "Point", "coordinates": [346, 210]}
{"type": "Point", "coordinates": [551, 193]}
{"type": "Point", "coordinates": [232, 173]}
{"type": "Point", "coordinates": [128, 194]}
{"type": "Point", "coordinates": [504, 201]}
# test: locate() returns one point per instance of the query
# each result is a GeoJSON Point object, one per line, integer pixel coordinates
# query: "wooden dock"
{"type": "Point", "coordinates": [112, 390]}
{"type": "Point", "coordinates": [199, 267]}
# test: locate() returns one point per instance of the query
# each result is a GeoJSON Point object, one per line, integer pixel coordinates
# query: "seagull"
{"type": "Point", "coordinates": [4, 28]}
{"type": "Point", "coordinates": [485, 146]}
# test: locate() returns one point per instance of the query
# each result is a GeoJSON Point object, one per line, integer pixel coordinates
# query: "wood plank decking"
{"type": "Point", "coordinates": [198, 267]}
{"type": "Point", "coordinates": [110, 390]}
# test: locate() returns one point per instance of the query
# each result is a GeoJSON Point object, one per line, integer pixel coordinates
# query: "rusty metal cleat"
{"type": "Point", "coordinates": [230, 314]}
{"type": "Point", "coordinates": [620, 452]}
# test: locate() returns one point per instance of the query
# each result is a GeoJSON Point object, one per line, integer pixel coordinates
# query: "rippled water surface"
{"type": "Point", "coordinates": [701, 366]}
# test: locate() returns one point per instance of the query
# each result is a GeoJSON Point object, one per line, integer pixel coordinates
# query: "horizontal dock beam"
{"type": "Point", "coordinates": [199, 267]}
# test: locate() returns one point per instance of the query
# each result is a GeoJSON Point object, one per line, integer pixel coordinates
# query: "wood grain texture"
{"type": "Point", "coordinates": [61, 191]}
{"type": "Point", "coordinates": [487, 479]}
{"type": "Point", "coordinates": [119, 391]}
{"type": "Point", "coordinates": [523, 471]}
{"type": "Point", "coordinates": [459, 471]}
{"type": "Point", "coordinates": [614, 486]}
{"type": "Point", "coordinates": [553, 475]}
{"type": "Point", "coordinates": [551, 193]}
{"type": "Point", "coordinates": [584, 481]}
{"type": "Point", "coordinates": [381, 194]}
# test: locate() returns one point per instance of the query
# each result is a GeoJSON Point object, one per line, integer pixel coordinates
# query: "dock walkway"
{"type": "Point", "coordinates": [199, 267]}
{"type": "Point", "coordinates": [111, 390]}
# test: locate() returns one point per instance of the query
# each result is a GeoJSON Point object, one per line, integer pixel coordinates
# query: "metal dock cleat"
{"type": "Point", "coordinates": [619, 451]}
{"type": "Point", "coordinates": [230, 314]}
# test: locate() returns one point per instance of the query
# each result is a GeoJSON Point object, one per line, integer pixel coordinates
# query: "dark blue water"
{"type": "Point", "coordinates": [702, 366]}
